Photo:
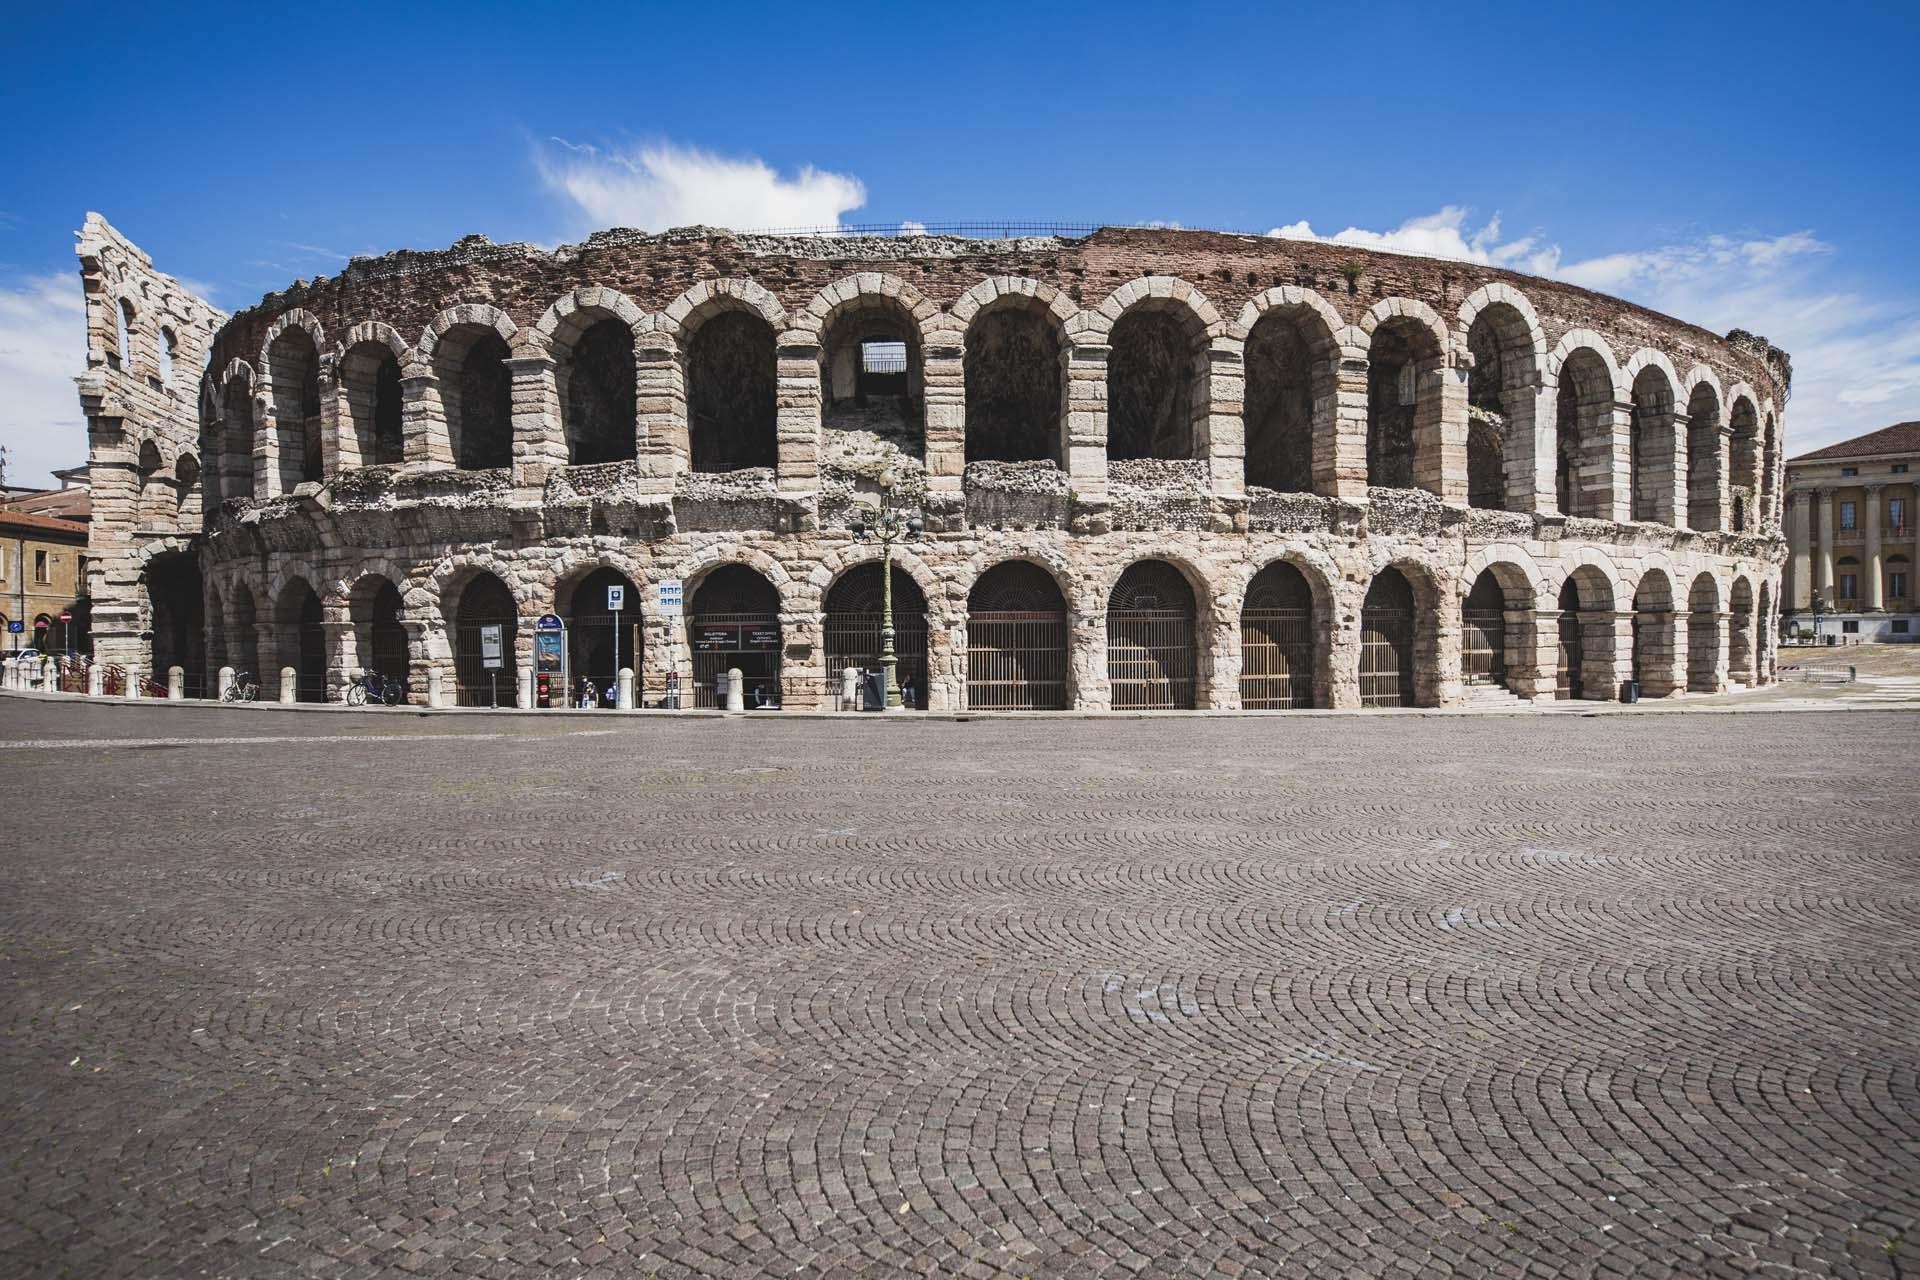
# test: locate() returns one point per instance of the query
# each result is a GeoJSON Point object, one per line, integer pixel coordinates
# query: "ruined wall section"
{"type": "Point", "coordinates": [148, 342]}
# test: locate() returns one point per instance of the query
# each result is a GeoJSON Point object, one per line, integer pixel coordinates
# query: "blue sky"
{"type": "Point", "coordinates": [1751, 165]}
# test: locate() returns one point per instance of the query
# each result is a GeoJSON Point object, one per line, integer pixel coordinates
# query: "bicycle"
{"type": "Point", "coordinates": [371, 686]}
{"type": "Point", "coordinates": [243, 689]}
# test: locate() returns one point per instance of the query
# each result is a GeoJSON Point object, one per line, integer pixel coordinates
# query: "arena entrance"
{"type": "Point", "coordinates": [485, 601]}
{"type": "Point", "coordinates": [303, 640]}
{"type": "Point", "coordinates": [1016, 640]}
{"type": "Point", "coordinates": [1386, 642]}
{"type": "Point", "coordinates": [591, 628]}
{"type": "Point", "coordinates": [1276, 641]}
{"type": "Point", "coordinates": [853, 625]}
{"type": "Point", "coordinates": [1483, 633]}
{"type": "Point", "coordinates": [1570, 663]}
{"type": "Point", "coordinates": [177, 604]}
{"type": "Point", "coordinates": [735, 622]}
{"type": "Point", "coordinates": [1150, 626]}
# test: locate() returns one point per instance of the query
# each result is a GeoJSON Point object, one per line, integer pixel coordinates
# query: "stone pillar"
{"type": "Point", "coordinates": [1619, 505]}
{"type": "Point", "coordinates": [661, 409]}
{"type": "Point", "coordinates": [1826, 544]}
{"type": "Point", "coordinates": [1722, 476]}
{"type": "Point", "coordinates": [1541, 639]}
{"type": "Point", "coordinates": [96, 680]}
{"type": "Point", "coordinates": [946, 663]}
{"type": "Point", "coordinates": [133, 681]}
{"type": "Point", "coordinates": [1662, 641]}
{"type": "Point", "coordinates": [1531, 668]}
{"type": "Point", "coordinates": [1083, 445]}
{"type": "Point", "coordinates": [1340, 435]}
{"type": "Point", "coordinates": [1087, 659]}
{"type": "Point", "coordinates": [1440, 430]}
{"type": "Point", "coordinates": [539, 437]}
{"type": "Point", "coordinates": [334, 458]}
{"type": "Point", "coordinates": [945, 398]}
{"type": "Point", "coordinates": [176, 684]}
{"type": "Point", "coordinates": [1436, 653]}
{"type": "Point", "coordinates": [1338, 686]}
{"type": "Point", "coordinates": [342, 645]}
{"type": "Point", "coordinates": [1799, 550]}
{"type": "Point", "coordinates": [266, 445]}
{"type": "Point", "coordinates": [1220, 430]}
{"type": "Point", "coordinates": [1606, 639]}
{"type": "Point", "coordinates": [289, 685]}
{"type": "Point", "coordinates": [803, 662]}
{"type": "Point", "coordinates": [797, 422]}
{"type": "Point", "coordinates": [523, 688]}
{"type": "Point", "coordinates": [1218, 659]}
{"type": "Point", "coordinates": [1876, 596]}
{"type": "Point", "coordinates": [736, 690]}
{"type": "Point", "coordinates": [1529, 459]}
{"type": "Point", "coordinates": [423, 425]}
{"type": "Point", "coordinates": [623, 690]}
{"type": "Point", "coordinates": [1670, 497]}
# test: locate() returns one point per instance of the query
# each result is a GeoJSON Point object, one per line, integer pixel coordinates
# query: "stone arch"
{"type": "Point", "coordinates": [1407, 348]}
{"type": "Point", "coordinates": [174, 595]}
{"type": "Point", "coordinates": [1770, 469]}
{"type": "Point", "coordinates": [855, 325]}
{"type": "Point", "coordinates": [851, 620]}
{"type": "Point", "coordinates": [728, 356]}
{"type": "Point", "coordinates": [1154, 618]}
{"type": "Point", "coordinates": [1706, 467]}
{"type": "Point", "coordinates": [1743, 425]}
{"type": "Point", "coordinates": [300, 634]}
{"type": "Point", "coordinates": [1740, 631]}
{"type": "Point", "coordinates": [1506, 358]}
{"type": "Point", "coordinates": [709, 298]}
{"type": "Point", "coordinates": [593, 334]}
{"type": "Point", "coordinates": [1158, 330]}
{"type": "Point", "coordinates": [941, 605]}
{"type": "Point", "coordinates": [1706, 632]}
{"type": "Point", "coordinates": [377, 612]}
{"type": "Point", "coordinates": [466, 348]}
{"type": "Point", "coordinates": [1284, 613]}
{"type": "Point", "coordinates": [1656, 646]}
{"type": "Point", "coordinates": [476, 598]}
{"type": "Point", "coordinates": [1014, 358]}
{"type": "Point", "coordinates": [1083, 597]}
{"type": "Point", "coordinates": [1652, 444]}
{"type": "Point", "coordinates": [1586, 384]}
{"type": "Point", "coordinates": [238, 430]}
{"type": "Point", "coordinates": [1019, 650]}
{"type": "Point", "coordinates": [290, 375]}
{"type": "Point", "coordinates": [733, 606]}
{"type": "Point", "coordinates": [368, 363]}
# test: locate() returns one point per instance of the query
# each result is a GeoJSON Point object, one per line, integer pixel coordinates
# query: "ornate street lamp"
{"type": "Point", "coordinates": [889, 524]}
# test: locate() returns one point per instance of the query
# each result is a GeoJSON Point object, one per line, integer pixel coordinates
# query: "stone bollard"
{"type": "Point", "coordinates": [9, 672]}
{"type": "Point", "coordinates": [289, 685]}
{"type": "Point", "coordinates": [523, 689]}
{"type": "Point", "coordinates": [96, 680]}
{"type": "Point", "coordinates": [176, 684]}
{"type": "Point", "coordinates": [623, 690]}
{"type": "Point", "coordinates": [736, 690]}
{"type": "Point", "coordinates": [434, 696]}
{"type": "Point", "coordinates": [850, 688]}
{"type": "Point", "coordinates": [50, 674]}
{"type": "Point", "coordinates": [133, 681]}
{"type": "Point", "coordinates": [226, 682]}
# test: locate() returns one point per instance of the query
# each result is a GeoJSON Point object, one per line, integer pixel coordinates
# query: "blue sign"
{"type": "Point", "coordinates": [16, 627]}
{"type": "Point", "coordinates": [549, 622]}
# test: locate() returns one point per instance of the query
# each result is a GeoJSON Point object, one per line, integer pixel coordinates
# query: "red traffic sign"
{"type": "Point", "coordinates": [66, 617]}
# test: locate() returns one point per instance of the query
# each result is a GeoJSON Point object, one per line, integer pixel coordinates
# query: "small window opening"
{"type": "Point", "coordinates": [883, 369]}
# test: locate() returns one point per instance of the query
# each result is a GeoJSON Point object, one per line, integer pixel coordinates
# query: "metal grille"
{"type": "Point", "coordinates": [1703, 651]}
{"type": "Point", "coordinates": [1483, 656]}
{"type": "Point", "coordinates": [473, 684]}
{"type": "Point", "coordinates": [1386, 657]}
{"type": "Point", "coordinates": [590, 647]}
{"type": "Point", "coordinates": [1017, 661]}
{"type": "Point", "coordinates": [1276, 659]}
{"type": "Point", "coordinates": [1150, 659]}
{"type": "Point", "coordinates": [389, 650]}
{"type": "Point", "coordinates": [310, 666]}
{"type": "Point", "coordinates": [1569, 666]}
{"type": "Point", "coordinates": [733, 644]}
{"type": "Point", "coordinates": [853, 640]}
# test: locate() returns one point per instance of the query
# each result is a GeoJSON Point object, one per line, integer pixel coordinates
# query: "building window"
{"type": "Point", "coordinates": [1846, 515]}
{"type": "Point", "coordinates": [1849, 586]}
{"type": "Point", "coordinates": [1897, 514]}
{"type": "Point", "coordinates": [42, 567]}
{"type": "Point", "coordinates": [1850, 627]}
{"type": "Point", "coordinates": [1899, 468]}
{"type": "Point", "coordinates": [1899, 627]}
{"type": "Point", "coordinates": [1897, 585]}
{"type": "Point", "coordinates": [1849, 471]}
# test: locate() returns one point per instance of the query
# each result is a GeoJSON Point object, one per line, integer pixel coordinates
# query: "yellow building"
{"type": "Point", "coordinates": [1851, 537]}
{"type": "Point", "coordinates": [43, 575]}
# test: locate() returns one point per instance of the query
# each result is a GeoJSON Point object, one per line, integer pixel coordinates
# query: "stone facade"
{"type": "Point", "coordinates": [482, 428]}
{"type": "Point", "coordinates": [1851, 537]}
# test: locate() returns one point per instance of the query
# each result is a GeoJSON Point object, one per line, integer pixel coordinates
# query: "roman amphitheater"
{"type": "Point", "coordinates": [1154, 469]}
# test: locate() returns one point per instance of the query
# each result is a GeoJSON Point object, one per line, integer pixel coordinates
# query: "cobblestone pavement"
{"type": "Point", "coordinates": [383, 995]}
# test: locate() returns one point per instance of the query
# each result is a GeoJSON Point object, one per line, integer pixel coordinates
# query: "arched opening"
{"type": "Point", "coordinates": [1500, 386]}
{"type": "Point", "coordinates": [1483, 633]}
{"type": "Point", "coordinates": [164, 348]}
{"type": "Point", "coordinates": [732, 366]}
{"type": "Point", "coordinates": [1764, 621]}
{"type": "Point", "coordinates": [176, 602]}
{"type": "Point", "coordinates": [1403, 406]}
{"type": "Point", "coordinates": [186, 485]}
{"type": "Point", "coordinates": [735, 623]}
{"type": "Point", "coordinates": [1012, 368]}
{"type": "Point", "coordinates": [1746, 464]}
{"type": "Point", "coordinates": [218, 654]}
{"type": "Point", "coordinates": [594, 370]}
{"type": "Point", "coordinates": [303, 641]}
{"type": "Point", "coordinates": [121, 357]}
{"type": "Point", "coordinates": [1769, 479]}
{"type": "Point", "coordinates": [379, 632]}
{"type": "Point", "coordinates": [1703, 635]}
{"type": "Point", "coordinates": [871, 378]}
{"type": "Point", "coordinates": [1386, 641]}
{"type": "Point", "coordinates": [1583, 437]}
{"type": "Point", "coordinates": [80, 628]}
{"type": "Point", "coordinates": [294, 382]}
{"type": "Point", "coordinates": [1154, 383]}
{"type": "Point", "coordinates": [370, 378]}
{"type": "Point", "coordinates": [1016, 640]}
{"type": "Point", "coordinates": [1653, 634]}
{"type": "Point", "coordinates": [44, 641]}
{"type": "Point", "coordinates": [1651, 446]}
{"type": "Point", "coordinates": [1569, 677]}
{"type": "Point", "coordinates": [485, 604]}
{"type": "Point", "coordinates": [238, 453]}
{"type": "Point", "coordinates": [212, 448]}
{"type": "Point", "coordinates": [1740, 633]}
{"type": "Point", "coordinates": [476, 396]}
{"type": "Point", "coordinates": [1277, 640]}
{"type": "Point", "coordinates": [853, 629]}
{"type": "Point", "coordinates": [1703, 459]}
{"type": "Point", "coordinates": [1150, 631]}
{"type": "Point", "coordinates": [243, 650]}
{"type": "Point", "coordinates": [599, 640]}
{"type": "Point", "coordinates": [1291, 368]}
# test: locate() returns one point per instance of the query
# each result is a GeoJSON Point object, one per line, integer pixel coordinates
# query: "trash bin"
{"type": "Point", "coordinates": [1832, 640]}
{"type": "Point", "coordinates": [873, 695]}
{"type": "Point", "coordinates": [1629, 691]}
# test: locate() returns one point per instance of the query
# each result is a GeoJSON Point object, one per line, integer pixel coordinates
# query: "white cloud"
{"type": "Point", "coordinates": [43, 348]}
{"type": "Point", "coordinates": [659, 185]}
{"type": "Point", "coordinates": [1856, 352]}
{"type": "Point", "coordinates": [911, 228]}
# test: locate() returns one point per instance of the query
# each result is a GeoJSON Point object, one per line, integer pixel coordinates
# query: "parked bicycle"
{"type": "Point", "coordinates": [373, 687]}
{"type": "Point", "coordinates": [243, 688]}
